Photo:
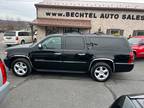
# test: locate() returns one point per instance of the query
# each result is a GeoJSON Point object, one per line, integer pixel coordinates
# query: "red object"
{"type": "Point", "coordinates": [17, 38]}
{"type": "Point", "coordinates": [3, 70]}
{"type": "Point", "coordinates": [131, 57]}
{"type": "Point", "coordinates": [137, 45]}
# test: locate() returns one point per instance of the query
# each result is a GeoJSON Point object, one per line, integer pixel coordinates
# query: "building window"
{"type": "Point", "coordinates": [70, 30]}
{"type": "Point", "coordinates": [52, 30]}
{"type": "Point", "coordinates": [115, 32]}
{"type": "Point", "coordinates": [138, 32]}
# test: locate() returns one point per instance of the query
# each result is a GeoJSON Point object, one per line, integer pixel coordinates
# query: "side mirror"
{"type": "Point", "coordinates": [141, 43]}
{"type": "Point", "coordinates": [40, 46]}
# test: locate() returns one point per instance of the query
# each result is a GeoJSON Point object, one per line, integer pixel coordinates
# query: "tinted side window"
{"type": "Point", "coordinates": [74, 43]}
{"type": "Point", "coordinates": [123, 102]}
{"type": "Point", "coordinates": [108, 43]}
{"type": "Point", "coordinates": [118, 103]}
{"type": "Point", "coordinates": [52, 43]}
{"type": "Point", "coordinates": [23, 34]}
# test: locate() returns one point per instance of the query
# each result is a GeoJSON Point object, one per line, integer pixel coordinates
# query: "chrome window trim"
{"type": "Point", "coordinates": [124, 63]}
{"type": "Point", "coordinates": [42, 60]}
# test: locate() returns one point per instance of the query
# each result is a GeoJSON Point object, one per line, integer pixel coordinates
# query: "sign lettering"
{"type": "Point", "coordinates": [95, 15]}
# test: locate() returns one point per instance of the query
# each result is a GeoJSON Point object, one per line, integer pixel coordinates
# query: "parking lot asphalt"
{"type": "Point", "coordinates": [53, 90]}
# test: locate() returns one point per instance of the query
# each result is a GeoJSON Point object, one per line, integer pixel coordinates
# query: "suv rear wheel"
{"type": "Point", "coordinates": [101, 72]}
{"type": "Point", "coordinates": [21, 67]}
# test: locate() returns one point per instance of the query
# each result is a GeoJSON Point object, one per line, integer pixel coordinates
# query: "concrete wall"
{"type": "Point", "coordinates": [133, 20]}
{"type": "Point", "coordinates": [40, 32]}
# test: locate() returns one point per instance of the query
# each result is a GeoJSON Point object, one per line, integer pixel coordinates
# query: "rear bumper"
{"type": "Point", "coordinates": [123, 67]}
{"type": "Point", "coordinates": [10, 43]}
{"type": "Point", "coordinates": [4, 91]}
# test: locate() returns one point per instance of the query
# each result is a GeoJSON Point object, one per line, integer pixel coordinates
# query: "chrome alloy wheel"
{"type": "Point", "coordinates": [20, 68]}
{"type": "Point", "coordinates": [101, 73]}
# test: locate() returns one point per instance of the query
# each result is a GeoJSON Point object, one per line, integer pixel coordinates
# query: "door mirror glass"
{"type": "Point", "coordinates": [40, 46]}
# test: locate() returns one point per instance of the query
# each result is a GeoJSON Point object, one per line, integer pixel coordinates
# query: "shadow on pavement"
{"type": "Point", "coordinates": [56, 75]}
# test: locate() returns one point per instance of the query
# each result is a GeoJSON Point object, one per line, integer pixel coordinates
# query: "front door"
{"type": "Point", "coordinates": [48, 57]}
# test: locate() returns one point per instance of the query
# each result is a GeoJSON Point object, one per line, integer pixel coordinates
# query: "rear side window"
{"type": "Point", "coordinates": [74, 43]}
{"type": "Point", "coordinates": [10, 34]}
{"type": "Point", "coordinates": [23, 33]}
{"type": "Point", "coordinates": [108, 43]}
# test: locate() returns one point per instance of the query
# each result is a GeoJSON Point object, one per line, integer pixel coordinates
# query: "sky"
{"type": "Point", "coordinates": [25, 9]}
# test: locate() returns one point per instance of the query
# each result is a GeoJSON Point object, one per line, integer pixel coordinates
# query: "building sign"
{"type": "Point", "coordinates": [95, 15]}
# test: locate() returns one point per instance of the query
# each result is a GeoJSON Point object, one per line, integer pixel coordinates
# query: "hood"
{"type": "Point", "coordinates": [20, 46]}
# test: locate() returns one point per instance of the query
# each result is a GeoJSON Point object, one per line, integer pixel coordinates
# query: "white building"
{"type": "Point", "coordinates": [59, 16]}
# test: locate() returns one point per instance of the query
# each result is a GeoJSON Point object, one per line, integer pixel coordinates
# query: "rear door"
{"type": "Point", "coordinates": [75, 57]}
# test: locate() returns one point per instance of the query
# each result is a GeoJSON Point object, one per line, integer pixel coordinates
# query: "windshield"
{"type": "Point", "coordinates": [37, 42]}
{"type": "Point", "coordinates": [9, 34]}
{"type": "Point", "coordinates": [134, 41]}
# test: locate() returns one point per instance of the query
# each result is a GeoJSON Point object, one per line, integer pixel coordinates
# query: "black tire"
{"type": "Point", "coordinates": [22, 42]}
{"type": "Point", "coordinates": [96, 72]}
{"type": "Point", "coordinates": [16, 70]}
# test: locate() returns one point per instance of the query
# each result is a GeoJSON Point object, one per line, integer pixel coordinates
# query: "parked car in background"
{"type": "Point", "coordinates": [137, 45]}
{"type": "Point", "coordinates": [4, 84]}
{"type": "Point", "coordinates": [129, 101]}
{"type": "Point", "coordinates": [100, 56]}
{"type": "Point", "coordinates": [18, 37]}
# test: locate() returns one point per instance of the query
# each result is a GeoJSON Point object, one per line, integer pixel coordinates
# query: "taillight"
{"type": "Point", "coordinates": [17, 38]}
{"type": "Point", "coordinates": [131, 58]}
{"type": "Point", "coordinates": [3, 70]}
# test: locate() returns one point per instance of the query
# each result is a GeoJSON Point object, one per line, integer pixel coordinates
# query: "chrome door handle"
{"type": "Point", "coordinates": [81, 54]}
{"type": "Point", "coordinates": [57, 53]}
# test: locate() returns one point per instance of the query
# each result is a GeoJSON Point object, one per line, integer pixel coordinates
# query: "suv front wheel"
{"type": "Point", "coordinates": [21, 67]}
{"type": "Point", "coordinates": [101, 72]}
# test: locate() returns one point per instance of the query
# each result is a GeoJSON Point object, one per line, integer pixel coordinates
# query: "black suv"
{"type": "Point", "coordinates": [98, 55]}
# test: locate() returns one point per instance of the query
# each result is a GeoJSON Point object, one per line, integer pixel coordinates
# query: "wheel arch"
{"type": "Point", "coordinates": [22, 40]}
{"type": "Point", "coordinates": [110, 62]}
{"type": "Point", "coordinates": [20, 56]}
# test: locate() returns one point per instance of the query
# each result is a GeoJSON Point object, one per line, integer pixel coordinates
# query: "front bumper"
{"type": "Point", "coordinates": [123, 67]}
{"type": "Point", "coordinates": [4, 91]}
